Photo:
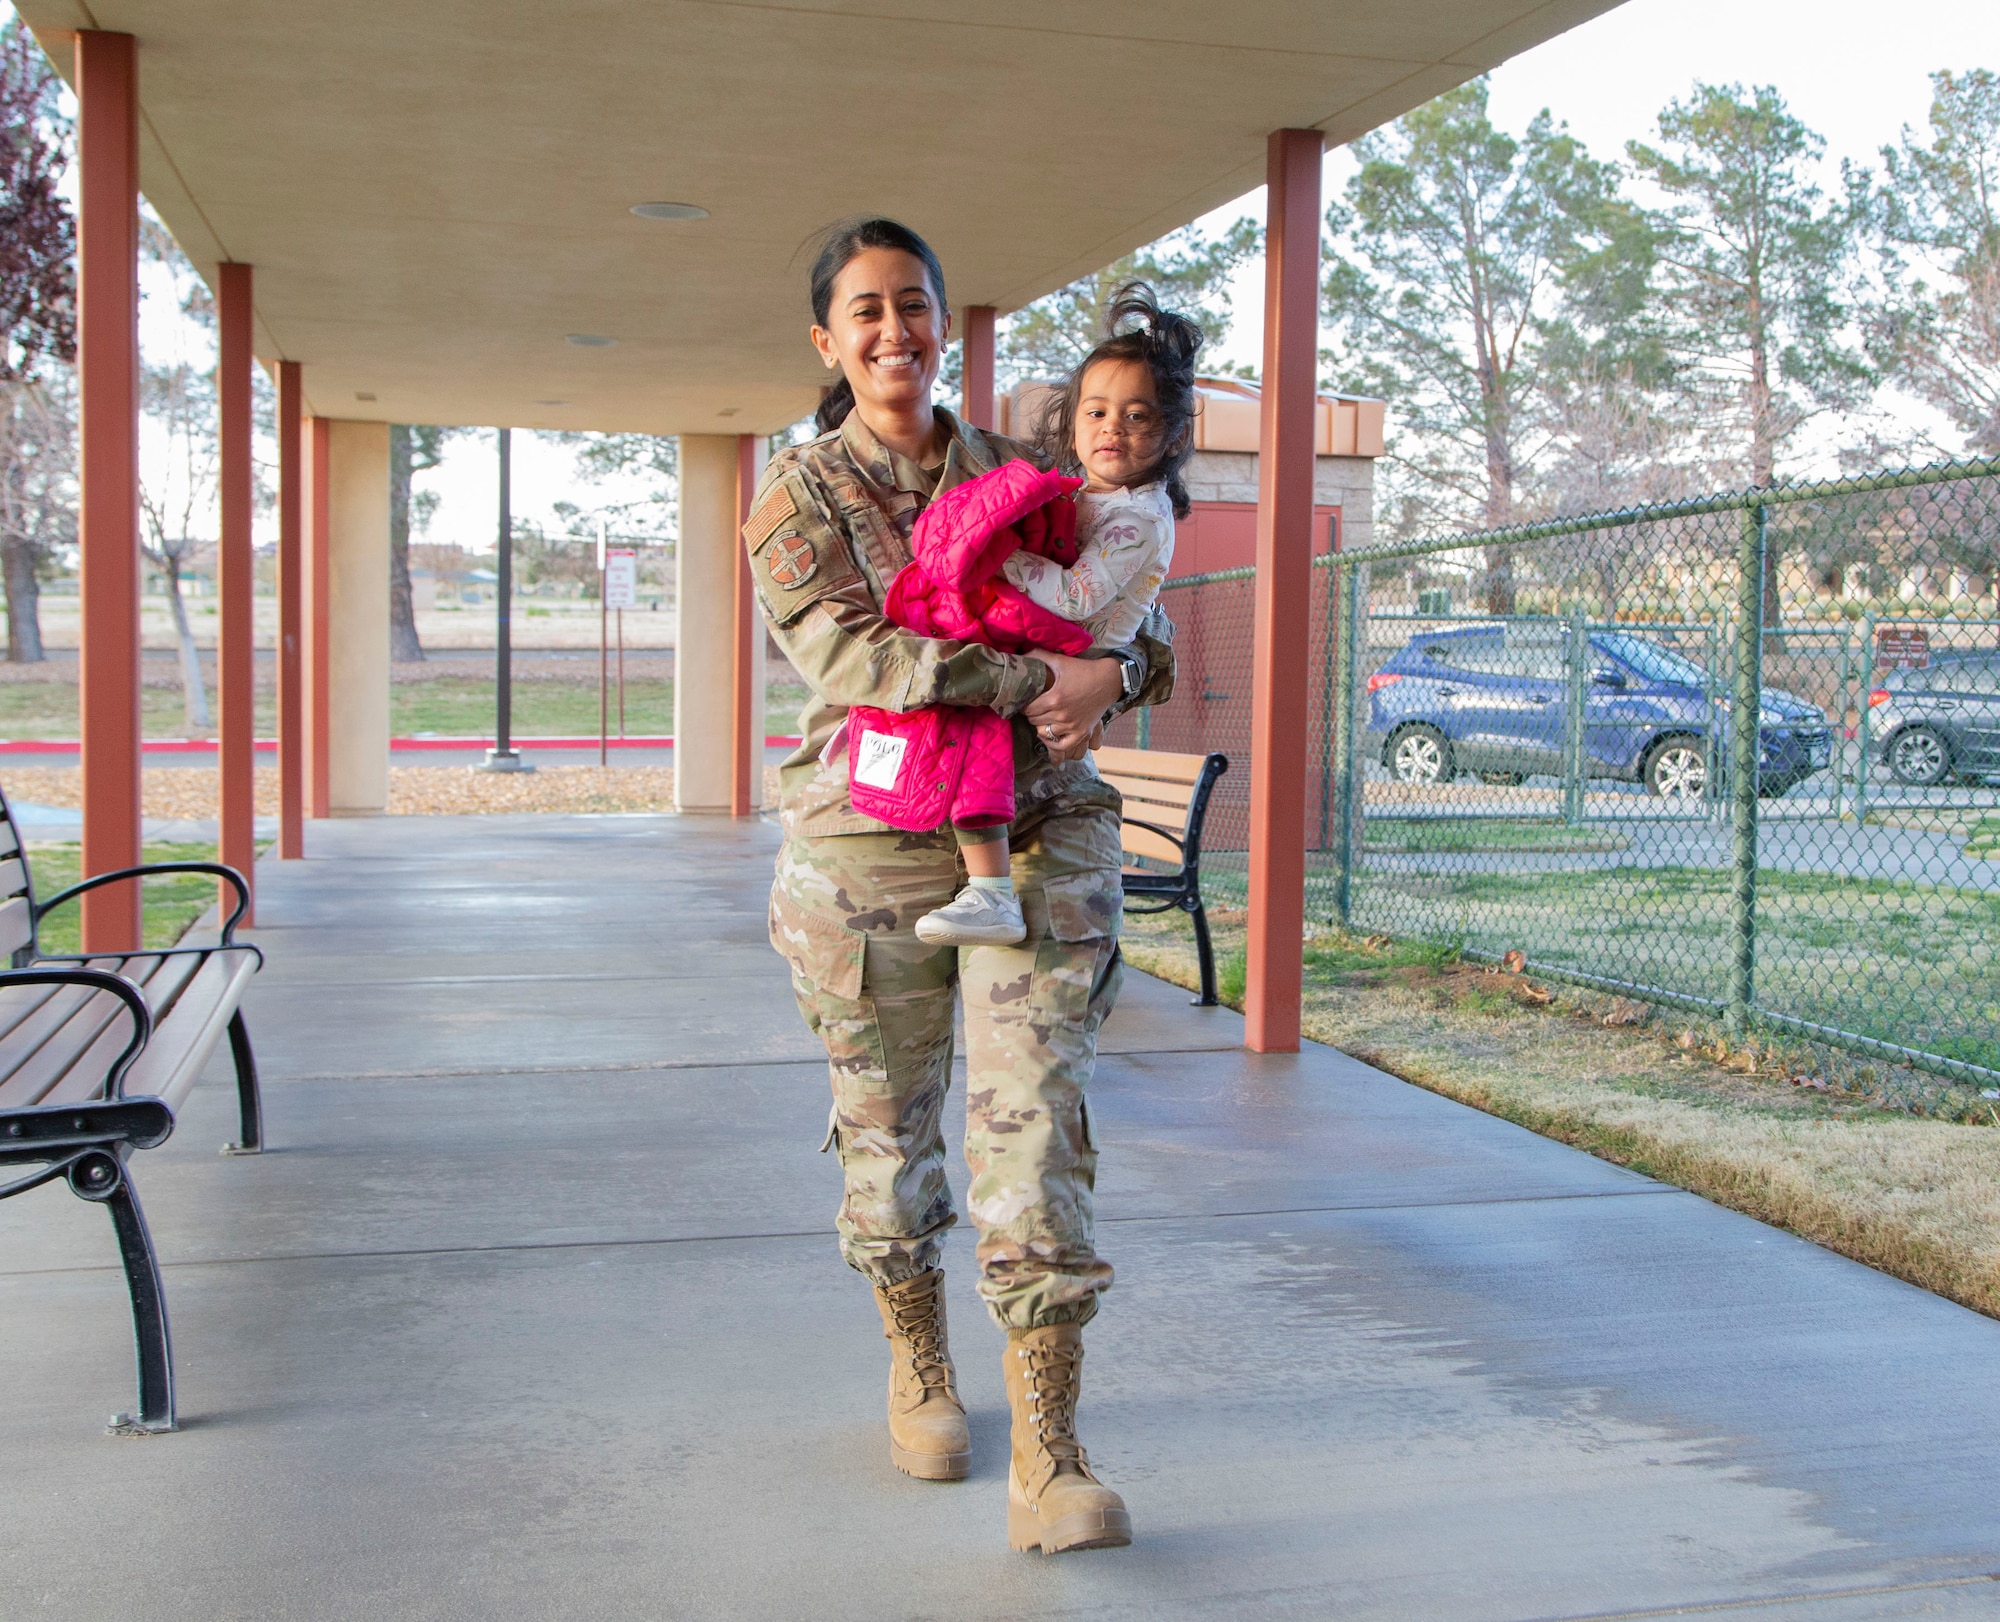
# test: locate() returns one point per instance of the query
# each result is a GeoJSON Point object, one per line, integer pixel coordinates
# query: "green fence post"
{"type": "Point", "coordinates": [1346, 587]}
{"type": "Point", "coordinates": [1866, 685]}
{"type": "Point", "coordinates": [1579, 689]}
{"type": "Point", "coordinates": [1329, 679]}
{"type": "Point", "coordinates": [1744, 746]}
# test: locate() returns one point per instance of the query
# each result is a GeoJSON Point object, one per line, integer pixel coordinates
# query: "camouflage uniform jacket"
{"type": "Point", "coordinates": [828, 530]}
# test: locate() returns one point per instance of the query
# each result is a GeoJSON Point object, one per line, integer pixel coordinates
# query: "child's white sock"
{"type": "Point", "coordinates": [1003, 884]}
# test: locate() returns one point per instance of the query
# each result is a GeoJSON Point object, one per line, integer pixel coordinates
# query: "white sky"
{"type": "Point", "coordinates": [1855, 73]}
{"type": "Point", "coordinates": [1857, 76]}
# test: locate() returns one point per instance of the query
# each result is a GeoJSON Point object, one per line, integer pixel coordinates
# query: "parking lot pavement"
{"type": "Point", "coordinates": [533, 1310]}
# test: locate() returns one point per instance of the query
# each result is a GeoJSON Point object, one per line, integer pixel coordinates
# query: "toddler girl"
{"type": "Point", "coordinates": [1125, 423]}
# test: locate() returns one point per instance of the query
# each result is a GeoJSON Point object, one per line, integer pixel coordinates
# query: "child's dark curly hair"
{"type": "Point", "coordinates": [1137, 329]}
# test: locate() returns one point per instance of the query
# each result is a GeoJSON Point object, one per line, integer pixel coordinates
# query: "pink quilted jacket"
{"type": "Point", "coordinates": [955, 763]}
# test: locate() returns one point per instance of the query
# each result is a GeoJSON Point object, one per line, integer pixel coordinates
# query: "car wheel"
{"type": "Point", "coordinates": [1420, 755]}
{"type": "Point", "coordinates": [1677, 769]}
{"type": "Point", "coordinates": [1920, 757]}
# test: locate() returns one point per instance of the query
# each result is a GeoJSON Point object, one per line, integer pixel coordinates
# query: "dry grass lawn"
{"type": "Point", "coordinates": [1918, 1198]}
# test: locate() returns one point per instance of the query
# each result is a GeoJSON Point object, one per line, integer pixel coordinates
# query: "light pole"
{"type": "Point", "coordinates": [503, 756]}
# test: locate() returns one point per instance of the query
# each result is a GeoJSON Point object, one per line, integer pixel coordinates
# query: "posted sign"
{"type": "Point", "coordinates": [1902, 647]}
{"type": "Point", "coordinates": [621, 578]}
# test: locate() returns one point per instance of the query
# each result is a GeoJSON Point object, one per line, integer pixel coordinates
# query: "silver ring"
{"type": "Point", "coordinates": [1049, 731]}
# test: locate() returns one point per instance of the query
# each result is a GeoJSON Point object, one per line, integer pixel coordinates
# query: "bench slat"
{"type": "Point", "coordinates": [32, 1015]}
{"type": "Point", "coordinates": [13, 876]}
{"type": "Point", "coordinates": [164, 980]}
{"type": "Point", "coordinates": [160, 975]}
{"type": "Point", "coordinates": [1144, 842]}
{"type": "Point", "coordinates": [1170, 768]}
{"type": "Point", "coordinates": [70, 1062]}
{"type": "Point", "coordinates": [44, 1070]}
{"type": "Point", "coordinates": [174, 1059]}
{"type": "Point", "coordinates": [18, 1006]}
{"type": "Point", "coordinates": [17, 924]}
{"type": "Point", "coordinates": [1176, 795]}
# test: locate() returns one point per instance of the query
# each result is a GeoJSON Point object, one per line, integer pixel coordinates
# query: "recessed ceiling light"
{"type": "Point", "coordinates": [368, 397]}
{"type": "Point", "coordinates": [669, 211]}
{"type": "Point", "coordinates": [549, 402]}
{"type": "Point", "coordinates": [590, 340]}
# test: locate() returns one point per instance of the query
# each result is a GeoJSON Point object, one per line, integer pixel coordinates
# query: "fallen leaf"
{"type": "Point", "coordinates": [1375, 943]}
{"type": "Point", "coordinates": [1534, 996]}
{"type": "Point", "coordinates": [1687, 1041]}
{"type": "Point", "coordinates": [1514, 962]}
{"type": "Point", "coordinates": [1628, 1011]}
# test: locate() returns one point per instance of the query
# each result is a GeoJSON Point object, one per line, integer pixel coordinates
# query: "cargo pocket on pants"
{"type": "Point", "coordinates": [1083, 906]}
{"type": "Point", "coordinates": [824, 953]}
{"type": "Point", "coordinates": [1084, 910]}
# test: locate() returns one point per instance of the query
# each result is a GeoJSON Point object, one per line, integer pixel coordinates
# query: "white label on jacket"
{"type": "Point", "coordinates": [880, 760]}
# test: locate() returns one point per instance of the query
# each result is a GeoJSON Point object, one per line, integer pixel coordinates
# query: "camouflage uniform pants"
{"type": "Point", "coordinates": [843, 912]}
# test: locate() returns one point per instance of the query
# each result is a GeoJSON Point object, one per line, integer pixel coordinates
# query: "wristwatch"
{"type": "Point", "coordinates": [1133, 673]}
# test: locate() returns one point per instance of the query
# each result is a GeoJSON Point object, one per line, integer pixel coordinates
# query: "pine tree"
{"type": "Point", "coordinates": [1937, 332]}
{"type": "Point", "coordinates": [1456, 251]}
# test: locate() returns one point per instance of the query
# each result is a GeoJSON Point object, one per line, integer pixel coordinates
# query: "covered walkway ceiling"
{"type": "Point", "coordinates": [436, 194]}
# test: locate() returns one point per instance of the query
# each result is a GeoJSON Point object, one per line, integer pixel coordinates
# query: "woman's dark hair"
{"type": "Point", "coordinates": [1166, 343]}
{"type": "Point", "coordinates": [838, 246]}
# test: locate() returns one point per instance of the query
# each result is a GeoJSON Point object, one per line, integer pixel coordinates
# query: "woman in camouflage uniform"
{"type": "Point", "coordinates": [828, 531]}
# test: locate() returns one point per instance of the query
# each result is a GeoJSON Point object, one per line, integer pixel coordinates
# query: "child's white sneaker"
{"type": "Point", "coordinates": [977, 917]}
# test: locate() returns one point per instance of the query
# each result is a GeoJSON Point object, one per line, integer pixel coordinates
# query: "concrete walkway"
{"type": "Point", "coordinates": [533, 1312]}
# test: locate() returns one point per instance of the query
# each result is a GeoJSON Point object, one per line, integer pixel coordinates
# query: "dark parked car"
{"type": "Point", "coordinates": [1494, 699]}
{"type": "Point", "coordinates": [1940, 722]}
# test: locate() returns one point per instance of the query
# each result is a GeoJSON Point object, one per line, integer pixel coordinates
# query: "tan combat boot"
{"type": "Point", "coordinates": [1053, 1501]}
{"type": "Point", "coordinates": [927, 1431]}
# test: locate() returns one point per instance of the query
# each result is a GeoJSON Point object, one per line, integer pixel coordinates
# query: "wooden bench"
{"type": "Point", "coordinates": [1166, 802]}
{"type": "Point", "coordinates": [96, 1055]}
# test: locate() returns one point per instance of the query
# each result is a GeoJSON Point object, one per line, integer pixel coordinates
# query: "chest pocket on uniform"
{"type": "Point", "coordinates": [880, 536]}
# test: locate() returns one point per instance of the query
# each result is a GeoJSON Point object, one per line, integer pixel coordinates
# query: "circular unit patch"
{"type": "Point", "coordinates": [792, 561]}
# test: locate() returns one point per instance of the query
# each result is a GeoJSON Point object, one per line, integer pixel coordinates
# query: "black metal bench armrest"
{"type": "Point", "coordinates": [216, 868]}
{"type": "Point", "coordinates": [97, 980]}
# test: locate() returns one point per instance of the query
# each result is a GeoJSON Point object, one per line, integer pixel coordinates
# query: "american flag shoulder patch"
{"type": "Point", "coordinates": [772, 511]}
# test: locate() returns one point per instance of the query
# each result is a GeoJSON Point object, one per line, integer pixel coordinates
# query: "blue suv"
{"type": "Point", "coordinates": [1493, 699]}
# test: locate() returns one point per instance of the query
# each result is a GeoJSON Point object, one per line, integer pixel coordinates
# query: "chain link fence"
{"type": "Point", "coordinates": [1548, 749]}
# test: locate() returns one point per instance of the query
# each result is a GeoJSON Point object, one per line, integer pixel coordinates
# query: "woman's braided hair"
{"type": "Point", "coordinates": [1166, 343]}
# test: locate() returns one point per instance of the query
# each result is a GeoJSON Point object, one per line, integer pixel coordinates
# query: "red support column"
{"type": "Point", "coordinates": [235, 564]}
{"type": "Point", "coordinates": [746, 712]}
{"type": "Point", "coordinates": [291, 619]}
{"type": "Point", "coordinates": [317, 443]}
{"type": "Point", "coordinates": [1278, 683]}
{"type": "Point", "coordinates": [979, 371]}
{"type": "Point", "coordinates": [107, 93]}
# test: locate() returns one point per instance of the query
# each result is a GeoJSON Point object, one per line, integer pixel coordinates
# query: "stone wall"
{"type": "Point", "coordinates": [1346, 482]}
